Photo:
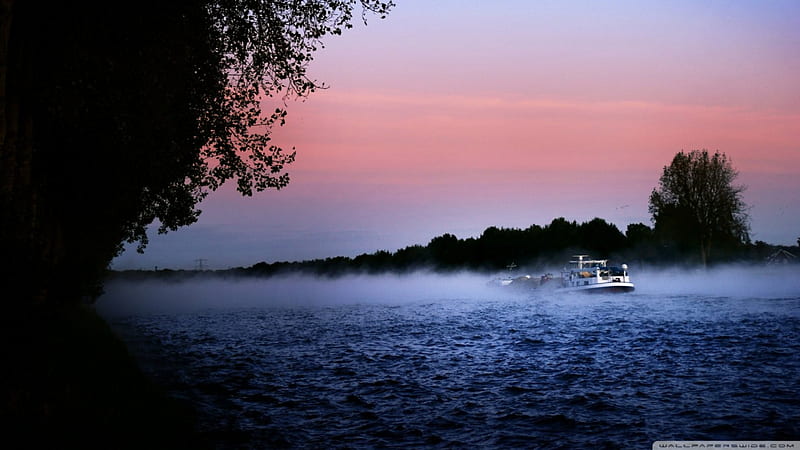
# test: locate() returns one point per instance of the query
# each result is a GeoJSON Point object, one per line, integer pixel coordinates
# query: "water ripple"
{"type": "Point", "coordinates": [524, 372]}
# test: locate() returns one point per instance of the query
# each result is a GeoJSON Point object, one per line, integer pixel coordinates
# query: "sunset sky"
{"type": "Point", "coordinates": [452, 116]}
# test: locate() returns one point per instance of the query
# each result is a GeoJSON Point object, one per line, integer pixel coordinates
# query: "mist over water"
{"type": "Point", "coordinates": [125, 297]}
{"type": "Point", "coordinates": [735, 281]}
{"type": "Point", "coordinates": [427, 360]}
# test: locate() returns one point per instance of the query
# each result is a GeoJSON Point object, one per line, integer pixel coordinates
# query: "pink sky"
{"type": "Point", "coordinates": [452, 116]}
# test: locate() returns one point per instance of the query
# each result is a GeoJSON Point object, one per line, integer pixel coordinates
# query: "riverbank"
{"type": "Point", "coordinates": [69, 382]}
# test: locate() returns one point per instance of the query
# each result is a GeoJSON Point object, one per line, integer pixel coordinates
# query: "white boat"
{"type": "Point", "coordinates": [594, 275]}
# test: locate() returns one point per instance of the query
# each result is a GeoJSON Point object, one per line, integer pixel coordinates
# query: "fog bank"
{"type": "Point", "coordinates": [757, 281]}
{"type": "Point", "coordinates": [125, 297]}
{"type": "Point", "coordinates": [157, 296]}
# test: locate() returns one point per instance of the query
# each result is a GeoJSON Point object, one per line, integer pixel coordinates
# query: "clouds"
{"type": "Point", "coordinates": [415, 135]}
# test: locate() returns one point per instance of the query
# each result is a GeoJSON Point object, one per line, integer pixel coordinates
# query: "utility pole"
{"type": "Point", "coordinates": [200, 263]}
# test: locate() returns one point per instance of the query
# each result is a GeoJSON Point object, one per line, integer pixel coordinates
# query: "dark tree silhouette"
{"type": "Point", "coordinates": [638, 234]}
{"type": "Point", "coordinates": [696, 202]}
{"type": "Point", "coordinates": [601, 237]}
{"type": "Point", "coordinates": [114, 116]}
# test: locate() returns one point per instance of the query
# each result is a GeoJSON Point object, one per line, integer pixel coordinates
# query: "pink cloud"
{"type": "Point", "coordinates": [406, 135]}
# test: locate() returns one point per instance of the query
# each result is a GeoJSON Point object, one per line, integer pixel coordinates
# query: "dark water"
{"type": "Point", "coordinates": [402, 364]}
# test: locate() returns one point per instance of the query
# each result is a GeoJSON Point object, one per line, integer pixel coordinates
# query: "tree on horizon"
{"type": "Point", "coordinates": [696, 203]}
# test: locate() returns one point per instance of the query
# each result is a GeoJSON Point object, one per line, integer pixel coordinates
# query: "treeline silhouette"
{"type": "Point", "coordinates": [533, 248]}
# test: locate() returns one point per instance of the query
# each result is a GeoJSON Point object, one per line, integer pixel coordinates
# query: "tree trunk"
{"type": "Point", "coordinates": [31, 242]}
{"type": "Point", "coordinates": [705, 251]}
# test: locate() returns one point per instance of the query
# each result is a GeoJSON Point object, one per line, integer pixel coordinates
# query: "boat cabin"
{"type": "Point", "coordinates": [585, 273]}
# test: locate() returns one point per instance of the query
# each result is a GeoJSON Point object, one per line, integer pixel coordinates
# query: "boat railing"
{"type": "Point", "coordinates": [581, 262]}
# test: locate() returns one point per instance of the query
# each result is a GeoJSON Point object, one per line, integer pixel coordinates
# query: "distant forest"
{"type": "Point", "coordinates": [533, 248]}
